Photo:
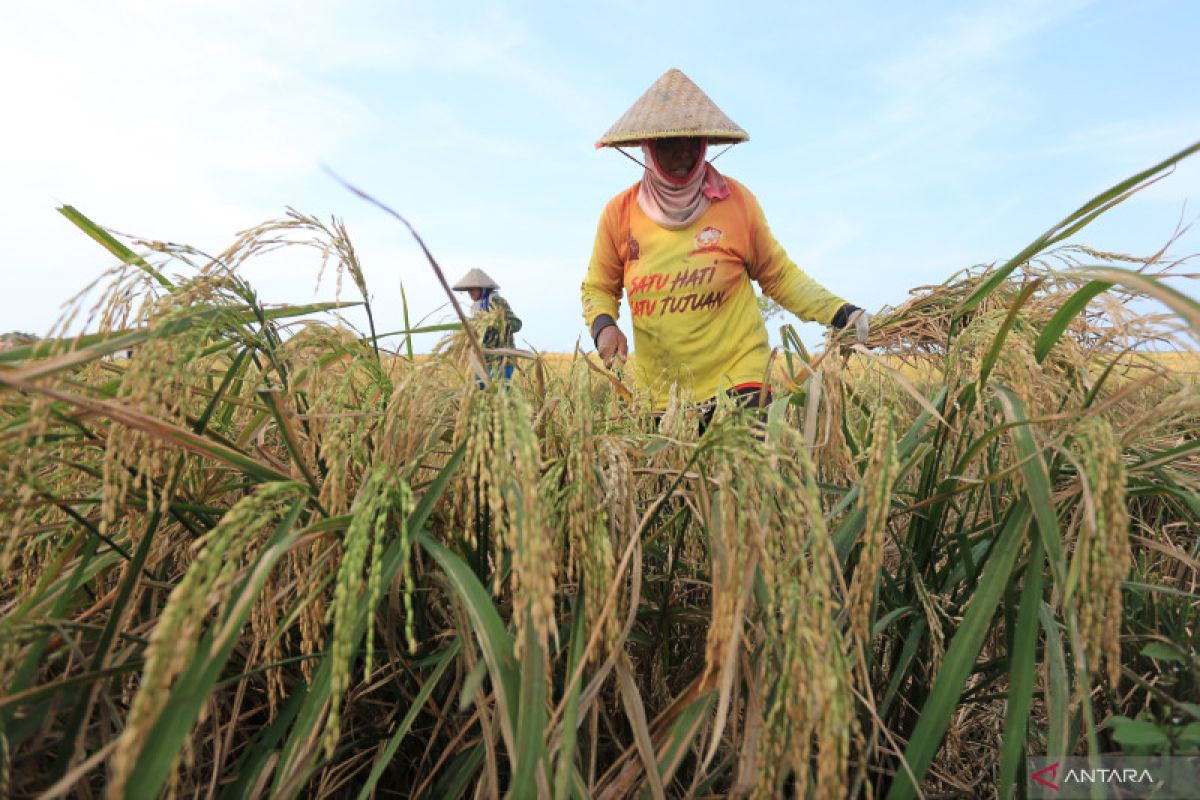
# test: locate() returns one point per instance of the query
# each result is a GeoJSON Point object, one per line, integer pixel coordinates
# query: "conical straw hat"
{"type": "Point", "coordinates": [475, 279]}
{"type": "Point", "coordinates": [673, 106]}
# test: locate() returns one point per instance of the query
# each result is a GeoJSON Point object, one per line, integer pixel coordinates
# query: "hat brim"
{"type": "Point", "coordinates": [475, 279]}
{"type": "Point", "coordinates": [626, 140]}
{"type": "Point", "coordinates": [673, 107]}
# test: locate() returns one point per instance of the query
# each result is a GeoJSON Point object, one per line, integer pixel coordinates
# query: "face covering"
{"type": "Point", "coordinates": [675, 203]}
{"type": "Point", "coordinates": [484, 301]}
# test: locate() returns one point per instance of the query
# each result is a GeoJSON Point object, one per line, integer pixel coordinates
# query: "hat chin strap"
{"type": "Point", "coordinates": [634, 159]}
{"type": "Point", "coordinates": [621, 150]}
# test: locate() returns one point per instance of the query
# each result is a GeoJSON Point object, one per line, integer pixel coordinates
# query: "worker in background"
{"type": "Point", "coordinates": [682, 245]}
{"type": "Point", "coordinates": [497, 321]}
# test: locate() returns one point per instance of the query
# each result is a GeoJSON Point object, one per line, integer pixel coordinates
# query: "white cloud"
{"type": "Point", "coordinates": [969, 40]}
{"type": "Point", "coordinates": [959, 78]}
{"type": "Point", "coordinates": [188, 121]}
{"type": "Point", "coordinates": [1123, 148]}
{"type": "Point", "coordinates": [191, 120]}
{"type": "Point", "coordinates": [833, 233]}
{"type": "Point", "coordinates": [145, 122]}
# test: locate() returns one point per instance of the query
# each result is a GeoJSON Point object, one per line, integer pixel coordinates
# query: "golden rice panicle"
{"type": "Point", "coordinates": [973, 344]}
{"type": "Point", "coordinates": [587, 513]}
{"type": "Point", "coordinates": [769, 514]}
{"type": "Point", "coordinates": [933, 618]}
{"type": "Point", "coordinates": [270, 645]}
{"type": "Point", "coordinates": [206, 584]}
{"type": "Point", "coordinates": [314, 565]}
{"type": "Point", "coordinates": [526, 531]}
{"type": "Point", "coordinates": [965, 357]}
{"type": "Point", "coordinates": [875, 499]}
{"type": "Point", "coordinates": [339, 445]}
{"type": "Point", "coordinates": [421, 407]}
{"type": "Point", "coordinates": [329, 240]}
{"type": "Point", "coordinates": [1172, 415]}
{"type": "Point", "coordinates": [161, 381]}
{"type": "Point", "coordinates": [730, 551]}
{"type": "Point", "coordinates": [464, 502]}
{"type": "Point", "coordinates": [383, 493]}
{"type": "Point", "coordinates": [330, 379]}
{"type": "Point", "coordinates": [832, 453]}
{"type": "Point", "coordinates": [617, 471]}
{"type": "Point", "coordinates": [402, 504]}
{"type": "Point", "coordinates": [679, 418]}
{"type": "Point", "coordinates": [35, 466]}
{"type": "Point", "coordinates": [733, 457]}
{"type": "Point", "coordinates": [126, 294]}
{"type": "Point", "coordinates": [477, 492]}
{"type": "Point", "coordinates": [804, 662]}
{"type": "Point", "coordinates": [829, 682]}
{"type": "Point", "coordinates": [1051, 383]}
{"type": "Point", "coordinates": [502, 484]}
{"type": "Point", "coordinates": [619, 491]}
{"type": "Point", "coordinates": [1103, 545]}
{"type": "Point", "coordinates": [20, 495]}
{"type": "Point", "coordinates": [343, 385]}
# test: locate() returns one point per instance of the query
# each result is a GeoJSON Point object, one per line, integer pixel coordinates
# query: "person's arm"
{"type": "Point", "coordinates": [512, 322]}
{"type": "Point", "coordinates": [602, 287]}
{"type": "Point", "coordinates": [779, 276]}
{"type": "Point", "coordinates": [491, 329]}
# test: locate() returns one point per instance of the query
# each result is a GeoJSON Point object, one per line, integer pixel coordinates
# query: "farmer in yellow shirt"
{"type": "Point", "coordinates": [682, 244]}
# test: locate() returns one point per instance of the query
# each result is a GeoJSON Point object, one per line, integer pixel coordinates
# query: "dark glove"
{"type": "Point", "coordinates": [853, 315]}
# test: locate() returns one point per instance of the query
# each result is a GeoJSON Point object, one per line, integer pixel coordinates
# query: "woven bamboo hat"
{"type": "Point", "coordinates": [673, 106]}
{"type": "Point", "coordinates": [475, 279]}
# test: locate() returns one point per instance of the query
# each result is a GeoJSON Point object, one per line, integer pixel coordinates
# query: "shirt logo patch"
{"type": "Point", "coordinates": [709, 237]}
{"type": "Point", "coordinates": [635, 250]}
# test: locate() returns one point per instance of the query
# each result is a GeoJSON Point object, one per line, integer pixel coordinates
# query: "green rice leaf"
{"type": "Point", "coordinates": [106, 240]}
{"type": "Point", "coordinates": [1021, 673]}
{"type": "Point", "coordinates": [964, 649]}
{"type": "Point", "coordinates": [443, 662]}
{"type": "Point", "coordinates": [1057, 325]}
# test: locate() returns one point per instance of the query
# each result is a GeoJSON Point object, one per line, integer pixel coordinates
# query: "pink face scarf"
{"type": "Point", "coordinates": [676, 203]}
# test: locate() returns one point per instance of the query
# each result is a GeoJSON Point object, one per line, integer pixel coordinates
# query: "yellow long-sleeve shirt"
{"type": "Point", "coordinates": [695, 315]}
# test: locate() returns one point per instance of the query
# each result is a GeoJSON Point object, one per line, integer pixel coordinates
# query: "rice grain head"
{"type": "Point", "coordinates": [502, 489]}
{"type": "Point", "coordinates": [875, 500]}
{"type": "Point", "coordinates": [383, 495]}
{"type": "Point", "coordinates": [1103, 545]}
{"type": "Point", "coordinates": [206, 584]}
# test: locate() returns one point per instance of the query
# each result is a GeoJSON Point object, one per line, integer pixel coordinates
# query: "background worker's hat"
{"type": "Point", "coordinates": [475, 279]}
{"type": "Point", "coordinates": [672, 107]}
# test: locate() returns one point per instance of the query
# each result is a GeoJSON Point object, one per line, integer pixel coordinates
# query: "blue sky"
{"type": "Point", "coordinates": [891, 143]}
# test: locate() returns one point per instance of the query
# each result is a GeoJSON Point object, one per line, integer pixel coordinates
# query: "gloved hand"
{"type": "Point", "coordinates": [849, 315]}
{"type": "Point", "coordinates": [861, 321]}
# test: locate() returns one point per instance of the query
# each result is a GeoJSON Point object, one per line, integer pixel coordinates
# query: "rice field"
{"type": "Point", "coordinates": [249, 553]}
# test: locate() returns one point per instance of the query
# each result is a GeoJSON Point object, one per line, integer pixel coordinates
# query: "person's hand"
{"type": "Point", "coordinates": [861, 321]}
{"type": "Point", "coordinates": [611, 343]}
{"type": "Point", "coordinates": [852, 316]}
